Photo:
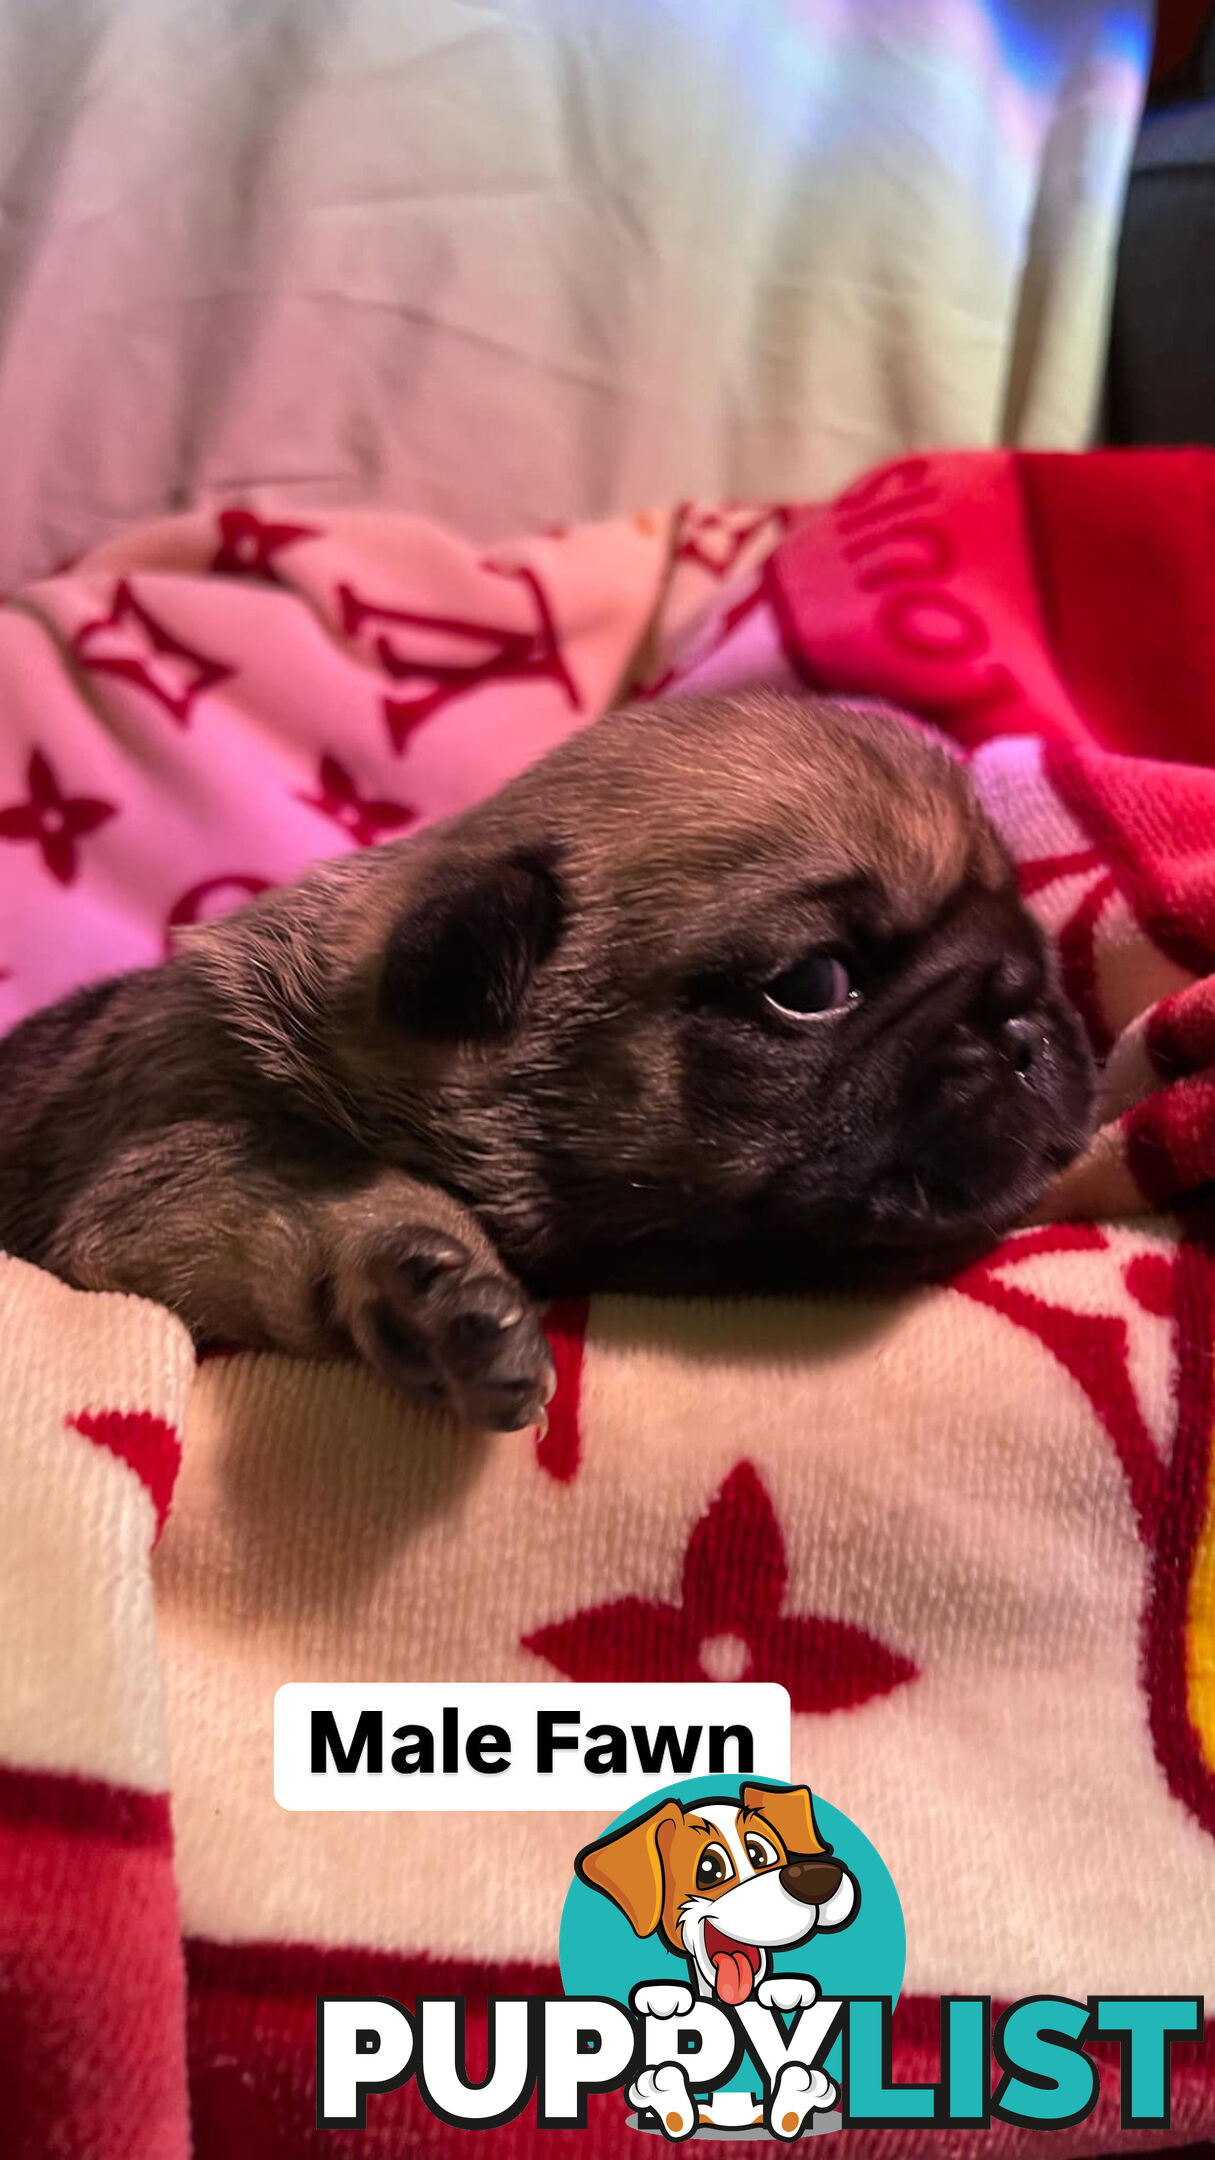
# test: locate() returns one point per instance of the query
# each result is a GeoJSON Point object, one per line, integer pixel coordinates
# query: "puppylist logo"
{"type": "Point", "coordinates": [731, 1950]}
{"type": "Point", "coordinates": [737, 1924]}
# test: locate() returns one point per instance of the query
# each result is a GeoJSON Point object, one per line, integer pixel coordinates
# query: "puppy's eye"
{"type": "Point", "coordinates": [713, 1867]}
{"type": "Point", "coordinates": [759, 1852]}
{"type": "Point", "coordinates": [817, 984]}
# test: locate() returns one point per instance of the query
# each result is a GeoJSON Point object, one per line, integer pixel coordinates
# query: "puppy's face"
{"type": "Point", "coordinates": [730, 993]}
{"type": "Point", "coordinates": [725, 1883]}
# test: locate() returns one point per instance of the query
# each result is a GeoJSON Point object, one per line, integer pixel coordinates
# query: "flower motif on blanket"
{"type": "Point", "coordinates": [249, 544]}
{"type": "Point", "coordinates": [1116, 1332]}
{"type": "Point", "coordinates": [730, 1622]}
{"type": "Point", "coordinates": [365, 818]}
{"type": "Point", "coordinates": [55, 821]}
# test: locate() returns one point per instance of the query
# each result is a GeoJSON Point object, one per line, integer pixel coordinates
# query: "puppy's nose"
{"type": "Point", "coordinates": [1021, 1041]}
{"type": "Point", "coordinates": [811, 1882]}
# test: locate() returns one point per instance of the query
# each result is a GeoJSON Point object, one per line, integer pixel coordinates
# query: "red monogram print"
{"type": "Point", "coordinates": [719, 535]}
{"type": "Point", "coordinates": [730, 1622]}
{"type": "Point", "coordinates": [148, 1444]}
{"type": "Point", "coordinates": [55, 821]}
{"type": "Point", "coordinates": [366, 819]}
{"type": "Point", "coordinates": [249, 544]}
{"type": "Point", "coordinates": [129, 642]}
{"type": "Point", "coordinates": [441, 657]}
{"type": "Point", "coordinates": [885, 525]}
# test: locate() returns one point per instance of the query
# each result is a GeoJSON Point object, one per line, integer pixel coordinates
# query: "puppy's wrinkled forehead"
{"type": "Point", "coordinates": [699, 802]}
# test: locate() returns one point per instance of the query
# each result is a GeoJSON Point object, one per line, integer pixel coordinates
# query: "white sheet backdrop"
{"type": "Point", "coordinates": [514, 261]}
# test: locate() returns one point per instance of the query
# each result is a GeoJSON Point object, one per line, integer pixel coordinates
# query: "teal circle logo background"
{"type": "Point", "coordinates": [599, 1954]}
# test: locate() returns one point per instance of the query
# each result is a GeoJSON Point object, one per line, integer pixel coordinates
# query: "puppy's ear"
{"type": "Point", "coordinates": [791, 1815]}
{"type": "Point", "coordinates": [628, 1868]}
{"type": "Point", "coordinates": [459, 963]}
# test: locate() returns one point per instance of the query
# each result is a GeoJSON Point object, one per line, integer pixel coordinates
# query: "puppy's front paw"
{"type": "Point", "coordinates": [665, 2089]}
{"type": "Point", "coordinates": [787, 1991]}
{"type": "Point", "coordinates": [447, 1326]}
{"type": "Point", "coordinates": [799, 2092]}
{"type": "Point", "coordinates": [662, 1999]}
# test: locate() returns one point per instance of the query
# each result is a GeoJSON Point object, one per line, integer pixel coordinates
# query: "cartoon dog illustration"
{"type": "Point", "coordinates": [723, 1883]}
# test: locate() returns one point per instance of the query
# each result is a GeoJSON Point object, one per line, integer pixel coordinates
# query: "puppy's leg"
{"type": "Point", "coordinates": [316, 1262]}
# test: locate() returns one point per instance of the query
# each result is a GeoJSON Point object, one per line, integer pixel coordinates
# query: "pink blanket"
{"type": "Point", "coordinates": [973, 1532]}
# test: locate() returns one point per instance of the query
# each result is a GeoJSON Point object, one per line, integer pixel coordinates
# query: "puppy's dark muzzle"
{"type": "Point", "coordinates": [811, 1882]}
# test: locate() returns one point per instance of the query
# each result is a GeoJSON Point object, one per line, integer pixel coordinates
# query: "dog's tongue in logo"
{"type": "Point", "coordinates": [735, 1964]}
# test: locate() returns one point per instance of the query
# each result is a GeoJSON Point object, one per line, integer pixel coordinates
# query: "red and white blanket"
{"type": "Point", "coordinates": [971, 1531]}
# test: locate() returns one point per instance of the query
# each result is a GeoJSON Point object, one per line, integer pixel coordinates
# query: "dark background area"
{"type": "Point", "coordinates": [1161, 381]}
